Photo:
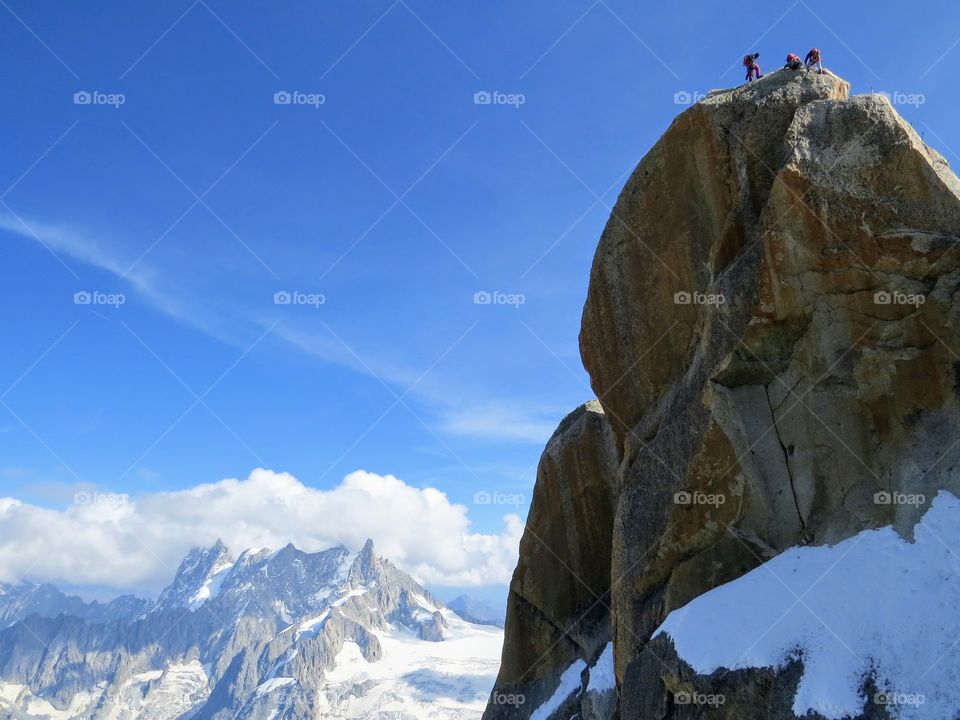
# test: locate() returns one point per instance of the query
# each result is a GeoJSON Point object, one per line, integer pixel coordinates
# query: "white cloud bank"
{"type": "Point", "coordinates": [136, 544]}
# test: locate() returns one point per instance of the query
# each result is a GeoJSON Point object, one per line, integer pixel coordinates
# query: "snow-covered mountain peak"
{"type": "Point", "coordinates": [198, 578]}
{"type": "Point", "coordinates": [274, 633]}
{"type": "Point", "coordinates": [289, 585]}
{"type": "Point", "coordinates": [365, 567]}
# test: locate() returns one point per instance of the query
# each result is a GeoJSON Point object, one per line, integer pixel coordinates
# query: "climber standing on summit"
{"type": "Point", "coordinates": [752, 66]}
{"type": "Point", "coordinates": [813, 61]}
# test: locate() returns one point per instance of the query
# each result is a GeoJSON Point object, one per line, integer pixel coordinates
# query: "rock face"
{"type": "Point", "coordinates": [558, 610]}
{"type": "Point", "coordinates": [773, 334]}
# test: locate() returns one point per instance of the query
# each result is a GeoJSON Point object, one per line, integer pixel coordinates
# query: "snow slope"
{"type": "Point", "coordinates": [417, 678]}
{"type": "Point", "coordinates": [873, 605]}
{"type": "Point", "coordinates": [17, 701]}
{"type": "Point", "coordinates": [156, 695]}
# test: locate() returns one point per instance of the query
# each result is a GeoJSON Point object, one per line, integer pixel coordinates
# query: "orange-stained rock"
{"type": "Point", "coordinates": [772, 328]}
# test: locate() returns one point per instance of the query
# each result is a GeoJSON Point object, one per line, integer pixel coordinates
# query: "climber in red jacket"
{"type": "Point", "coordinates": [813, 61]}
{"type": "Point", "coordinates": [752, 66]}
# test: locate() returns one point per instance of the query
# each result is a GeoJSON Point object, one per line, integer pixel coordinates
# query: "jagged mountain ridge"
{"type": "Point", "coordinates": [476, 611]}
{"type": "Point", "coordinates": [253, 636]}
{"type": "Point", "coordinates": [24, 599]}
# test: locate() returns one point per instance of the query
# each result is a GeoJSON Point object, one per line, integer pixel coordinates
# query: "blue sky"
{"type": "Point", "coordinates": [397, 199]}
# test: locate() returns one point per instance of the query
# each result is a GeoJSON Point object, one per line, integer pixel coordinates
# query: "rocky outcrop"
{"type": "Point", "coordinates": [772, 331]}
{"type": "Point", "coordinates": [558, 610]}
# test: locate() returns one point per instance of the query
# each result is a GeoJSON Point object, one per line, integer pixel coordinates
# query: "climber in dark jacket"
{"type": "Point", "coordinates": [813, 61]}
{"type": "Point", "coordinates": [752, 66]}
{"type": "Point", "coordinates": [793, 62]}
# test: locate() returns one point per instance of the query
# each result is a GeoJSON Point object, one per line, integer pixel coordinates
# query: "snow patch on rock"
{"type": "Point", "coordinates": [602, 677]}
{"type": "Point", "coordinates": [569, 684]}
{"type": "Point", "coordinates": [211, 586]}
{"type": "Point", "coordinates": [875, 605]}
{"type": "Point", "coordinates": [274, 684]}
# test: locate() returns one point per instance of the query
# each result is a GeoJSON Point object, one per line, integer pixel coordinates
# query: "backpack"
{"type": "Point", "coordinates": [748, 60]}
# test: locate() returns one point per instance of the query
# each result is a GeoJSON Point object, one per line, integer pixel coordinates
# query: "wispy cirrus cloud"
{"type": "Point", "coordinates": [232, 321]}
{"type": "Point", "coordinates": [498, 420]}
{"type": "Point", "coordinates": [196, 305]}
{"type": "Point", "coordinates": [67, 244]}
